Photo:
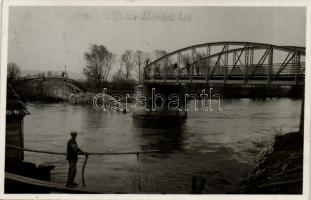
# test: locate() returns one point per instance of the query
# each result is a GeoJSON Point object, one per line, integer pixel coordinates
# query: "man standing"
{"type": "Point", "coordinates": [72, 156]}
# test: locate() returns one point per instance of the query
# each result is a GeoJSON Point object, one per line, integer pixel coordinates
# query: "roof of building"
{"type": "Point", "coordinates": [14, 106]}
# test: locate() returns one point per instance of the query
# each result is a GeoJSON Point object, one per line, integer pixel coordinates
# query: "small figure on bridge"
{"type": "Point", "coordinates": [197, 69]}
{"type": "Point", "coordinates": [175, 70]}
{"type": "Point", "coordinates": [188, 68]}
{"type": "Point", "coordinates": [175, 66]}
{"type": "Point", "coordinates": [64, 74]}
{"type": "Point", "coordinates": [72, 156]}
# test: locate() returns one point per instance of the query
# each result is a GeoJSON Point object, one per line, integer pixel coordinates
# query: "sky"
{"type": "Point", "coordinates": [48, 38]}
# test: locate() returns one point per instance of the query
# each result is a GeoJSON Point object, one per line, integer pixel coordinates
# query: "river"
{"type": "Point", "coordinates": [219, 145]}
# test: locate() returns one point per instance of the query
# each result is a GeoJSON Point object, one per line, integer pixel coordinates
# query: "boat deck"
{"type": "Point", "coordinates": [48, 186]}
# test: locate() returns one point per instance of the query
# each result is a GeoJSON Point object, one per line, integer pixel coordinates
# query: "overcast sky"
{"type": "Point", "coordinates": [47, 38]}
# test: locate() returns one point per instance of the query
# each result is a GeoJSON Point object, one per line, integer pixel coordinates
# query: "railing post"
{"type": "Point", "coordinates": [296, 66]}
{"type": "Point", "coordinates": [270, 64]}
{"type": "Point", "coordinates": [154, 71]}
{"type": "Point", "coordinates": [191, 72]}
{"type": "Point", "coordinates": [226, 63]}
{"type": "Point", "coordinates": [299, 67]}
{"type": "Point", "coordinates": [145, 73]}
{"type": "Point", "coordinates": [193, 53]}
{"type": "Point", "coordinates": [246, 61]}
{"type": "Point", "coordinates": [178, 66]}
{"type": "Point", "coordinates": [251, 60]}
{"type": "Point", "coordinates": [207, 70]}
{"type": "Point", "coordinates": [142, 78]}
{"type": "Point", "coordinates": [164, 72]}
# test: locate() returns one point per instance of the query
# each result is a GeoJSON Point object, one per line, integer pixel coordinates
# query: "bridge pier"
{"type": "Point", "coordinates": [156, 101]}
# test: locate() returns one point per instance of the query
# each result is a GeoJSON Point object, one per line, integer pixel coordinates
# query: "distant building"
{"type": "Point", "coordinates": [15, 113]}
{"type": "Point", "coordinates": [65, 74]}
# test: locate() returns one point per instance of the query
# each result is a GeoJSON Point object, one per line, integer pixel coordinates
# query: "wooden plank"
{"type": "Point", "coordinates": [52, 187]}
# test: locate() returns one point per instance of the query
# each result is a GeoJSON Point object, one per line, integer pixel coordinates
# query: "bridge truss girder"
{"type": "Point", "coordinates": [262, 63]}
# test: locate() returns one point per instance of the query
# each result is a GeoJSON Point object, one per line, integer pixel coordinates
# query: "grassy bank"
{"type": "Point", "coordinates": [278, 168]}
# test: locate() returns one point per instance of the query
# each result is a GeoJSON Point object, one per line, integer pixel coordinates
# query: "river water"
{"type": "Point", "coordinates": [218, 145]}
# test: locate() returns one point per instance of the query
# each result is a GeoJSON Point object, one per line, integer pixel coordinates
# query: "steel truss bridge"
{"type": "Point", "coordinates": [242, 63]}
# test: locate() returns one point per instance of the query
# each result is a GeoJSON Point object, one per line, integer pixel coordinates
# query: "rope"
{"type": "Point", "coordinates": [89, 153]}
{"type": "Point", "coordinates": [32, 150]}
{"type": "Point", "coordinates": [86, 157]}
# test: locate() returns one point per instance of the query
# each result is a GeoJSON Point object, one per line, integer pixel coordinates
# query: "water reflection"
{"type": "Point", "coordinates": [162, 135]}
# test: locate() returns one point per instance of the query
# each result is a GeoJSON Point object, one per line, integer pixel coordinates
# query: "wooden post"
{"type": "Point", "coordinates": [302, 112]}
{"type": "Point", "coordinates": [83, 168]}
{"type": "Point", "coordinates": [22, 138]}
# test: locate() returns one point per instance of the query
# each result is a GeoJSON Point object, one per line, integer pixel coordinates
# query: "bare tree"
{"type": "Point", "coordinates": [118, 77]}
{"type": "Point", "coordinates": [185, 59]}
{"type": "Point", "coordinates": [158, 54]}
{"type": "Point", "coordinates": [13, 72]}
{"type": "Point", "coordinates": [99, 62]}
{"type": "Point", "coordinates": [139, 60]}
{"type": "Point", "coordinates": [127, 61]}
{"type": "Point", "coordinates": [163, 66]}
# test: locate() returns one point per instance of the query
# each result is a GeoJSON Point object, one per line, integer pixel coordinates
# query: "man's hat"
{"type": "Point", "coordinates": [73, 133]}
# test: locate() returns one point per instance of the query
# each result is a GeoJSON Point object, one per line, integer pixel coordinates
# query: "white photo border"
{"type": "Point", "coordinates": [6, 4]}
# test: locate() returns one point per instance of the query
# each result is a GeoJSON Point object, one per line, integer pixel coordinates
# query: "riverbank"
{"type": "Point", "coordinates": [278, 168]}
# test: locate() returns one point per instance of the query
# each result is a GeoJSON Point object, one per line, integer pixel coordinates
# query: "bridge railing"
{"type": "Point", "coordinates": [277, 69]}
